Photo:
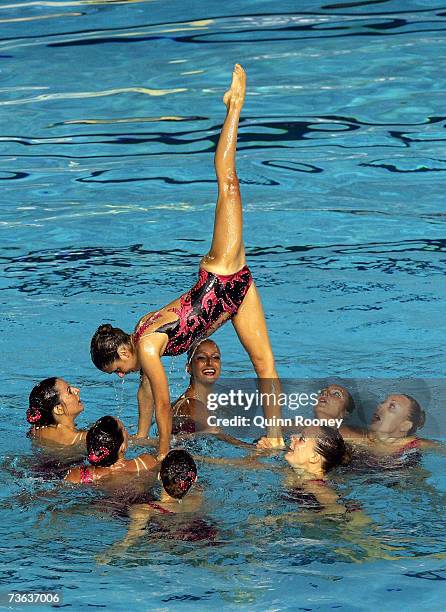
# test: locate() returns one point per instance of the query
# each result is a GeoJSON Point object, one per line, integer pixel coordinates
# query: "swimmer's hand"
{"type": "Point", "coordinates": [269, 443]}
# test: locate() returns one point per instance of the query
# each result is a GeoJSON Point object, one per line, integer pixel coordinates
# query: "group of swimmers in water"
{"type": "Point", "coordinates": [224, 291]}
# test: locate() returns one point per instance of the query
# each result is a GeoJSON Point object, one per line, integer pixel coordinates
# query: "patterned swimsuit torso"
{"type": "Point", "coordinates": [214, 299]}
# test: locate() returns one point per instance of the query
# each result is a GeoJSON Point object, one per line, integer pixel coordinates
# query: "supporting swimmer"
{"type": "Point", "coordinates": [54, 406]}
{"type": "Point", "coordinates": [190, 413]}
{"type": "Point", "coordinates": [107, 443]}
{"type": "Point", "coordinates": [178, 473]}
{"type": "Point", "coordinates": [225, 290]}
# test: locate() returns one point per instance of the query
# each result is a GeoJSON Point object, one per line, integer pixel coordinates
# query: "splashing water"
{"type": "Point", "coordinates": [119, 396]}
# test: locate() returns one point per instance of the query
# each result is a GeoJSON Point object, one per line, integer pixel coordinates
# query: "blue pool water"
{"type": "Point", "coordinates": [110, 112]}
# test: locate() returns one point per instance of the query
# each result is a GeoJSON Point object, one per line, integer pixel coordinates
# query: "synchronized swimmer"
{"type": "Point", "coordinates": [225, 290]}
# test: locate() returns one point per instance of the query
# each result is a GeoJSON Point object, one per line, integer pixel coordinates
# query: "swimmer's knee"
{"type": "Point", "coordinates": [228, 185]}
{"type": "Point", "coordinates": [264, 365]}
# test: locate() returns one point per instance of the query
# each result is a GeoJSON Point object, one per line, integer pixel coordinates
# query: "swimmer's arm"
{"type": "Point", "coordinates": [139, 517]}
{"type": "Point", "coordinates": [154, 370]}
{"type": "Point", "coordinates": [136, 441]}
{"type": "Point", "coordinates": [355, 435]}
{"type": "Point", "coordinates": [145, 407]}
{"type": "Point", "coordinates": [248, 463]}
{"type": "Point", "coordinates": [267, 443]}
{"type": "Point", "coordinates": [234, 441]}
{"type": "Point", "coordinates": [434, 445]}
{"type": "Point", "coordinates": [220, 435]}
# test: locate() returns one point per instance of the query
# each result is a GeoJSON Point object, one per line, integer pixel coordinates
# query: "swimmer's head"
{"type": "Point", "coordinates": [178, 473]}
{"type": "Point", "coordinates": [112, 351]}
{"type": "Point", "coordinates": [334, 402]}
{"type": "Point", "coordinates": [398, 416]}
{"type": "Point", "coordinates": [317, 449]}
{"type": "Point", "coordinates": [107, 439]}
{"type": "Point", "coordinates": [51, 400]}
{"type": "Point", "coordinates": [204, 362]}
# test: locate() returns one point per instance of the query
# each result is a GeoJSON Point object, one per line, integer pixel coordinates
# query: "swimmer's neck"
{"type": "Point", "coordinates": [305, 474]}
{"type": "Point", "coordinates": [66, 422]}
{"type": "Point", "coordinates": [165, 498]}
{"type": "Point", "coordinates": [199, 391]}
{"type": "Point", "coordinates": [389, 439]}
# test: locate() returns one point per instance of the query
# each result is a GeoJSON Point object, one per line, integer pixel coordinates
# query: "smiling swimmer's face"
{"type": "Point", "coordinates": [205, 365]}
{"type": "Point", "coordinates": [332, 402]}
{"type": "Point", "coordinates": [391, 416]}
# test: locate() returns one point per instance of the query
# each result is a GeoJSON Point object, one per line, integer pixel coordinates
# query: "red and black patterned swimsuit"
{"type": "Point", "coordinates": [201, 309]}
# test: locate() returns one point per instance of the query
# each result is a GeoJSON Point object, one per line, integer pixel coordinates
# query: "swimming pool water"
{"type": "Point", "coordinates": [110, 112]}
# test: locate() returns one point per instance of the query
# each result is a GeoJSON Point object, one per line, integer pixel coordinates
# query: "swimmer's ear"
{"type": "Point", "coordinates": [124, 351]}
{"type": "Point", "coordinates": [315, 458]}
{"type": "Point", "coordinates": [58, 409]}
{"type": "Point", "coordinates": [406, 426]}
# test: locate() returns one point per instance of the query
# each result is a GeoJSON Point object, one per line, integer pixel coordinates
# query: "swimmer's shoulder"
{"type": "Point", "coordinates": [426, 444]}
{"type": "Point", "coordinates": [58, 437]}
{"type": "Point", "coordinates": [73, 476]}
{"type": "Point", "coordinates": [149, 461]}
{"type": "Point", "coordinates": [354, 434]}
{"type": "Point", "coordinates": [141, 463]}
{"type": "Point", "coordinates": [145, 318]}
{"type": "Point", "coordinates": [186, 405]}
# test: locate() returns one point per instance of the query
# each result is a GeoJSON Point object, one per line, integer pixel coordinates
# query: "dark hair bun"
{"type": "Point", "coordinates": [178, 472]}
{"type": "Point", "coordinates": [105, 343]}
{"type": "Point", "coordinates": [33, 415]}
{"type": "Point", "coordinates": [104, 440]}
{"type": "Point", "coordinates": [43, 398]}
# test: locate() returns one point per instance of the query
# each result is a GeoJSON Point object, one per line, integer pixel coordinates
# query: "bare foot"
{"type": "Point", "coordinates": [236, 93]}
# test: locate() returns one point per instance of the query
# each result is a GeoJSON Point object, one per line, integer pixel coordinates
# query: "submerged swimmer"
{"type": "Point", "coordinates": [178, 473]}
{"type": "Point", "coordinates": [336, 402]}
{"type": "Point", "coordinates": [311, 455]}
{"type": "Point", "coordinates": [224, 290]}
{"type": "Point", "coordinates": [316, 451]}
{"type": "Point", "coordinates": [107, 442]}
{"type": "Point", "coordinates": [54, 406]}
{"type": "Point", "coordinates": [392, 430]}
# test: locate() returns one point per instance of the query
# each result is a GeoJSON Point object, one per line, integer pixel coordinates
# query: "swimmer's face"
{"type": "Point", "coordinates": [205, 366]}
{"type": "Point", "coordinates": [127, 362]}
{"type": "Point", "coordinates": [391, 417]}
{"type": "Point", "coordinates": [69, 399]}
{"type": "Point", "coordinates": [332, 403]}
{"type": "Point", "coordinates": [303, 453]}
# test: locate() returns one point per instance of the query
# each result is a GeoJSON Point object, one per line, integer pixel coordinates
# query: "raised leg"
{"type": "Point", "coordinates": [227, 253]}
{"type": "Point", "coordinates": [250, 325]}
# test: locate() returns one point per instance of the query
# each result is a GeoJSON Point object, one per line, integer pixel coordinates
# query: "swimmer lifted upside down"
{"type": "Point", "coordinates": [224, 290]}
